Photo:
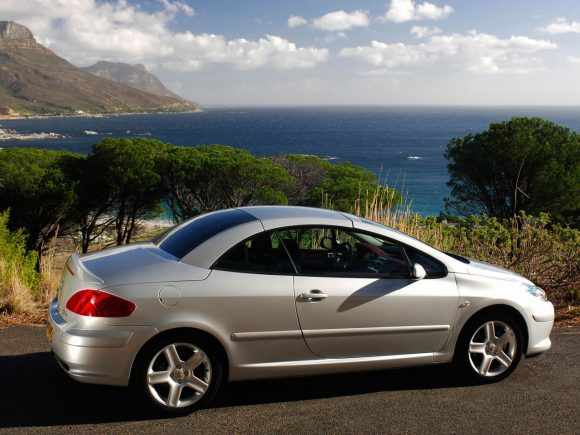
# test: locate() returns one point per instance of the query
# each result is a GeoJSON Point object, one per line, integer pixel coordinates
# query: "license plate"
{"type": "Point", "coordinates": [49, 332]}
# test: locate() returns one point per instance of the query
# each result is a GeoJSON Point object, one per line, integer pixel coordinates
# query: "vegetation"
{"type": "Point", "coordinates": [206, 178]}
{"type": "Point", "coordinates": [127, 171]}
{"type": "Point", "coordinates": [525, 164]}
{"type": "Point", "coordinates": [37, 187]}
{"type": "Point", "coordinates": [316, 182]}
{"type": "Point", "coordinates": [19, 279]}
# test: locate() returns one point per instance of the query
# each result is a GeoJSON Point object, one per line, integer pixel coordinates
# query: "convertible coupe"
{"type": "Point", "coordinates": [274, 291]}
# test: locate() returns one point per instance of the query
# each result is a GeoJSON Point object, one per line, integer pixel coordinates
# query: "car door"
{"type": "Point", "coordinates": [362, 301]}
{"type": "Point", "coordinates": [251, 298]}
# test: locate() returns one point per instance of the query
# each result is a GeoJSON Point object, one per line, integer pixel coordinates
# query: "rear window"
{"type": "Point", "coordinates": [190, 235]}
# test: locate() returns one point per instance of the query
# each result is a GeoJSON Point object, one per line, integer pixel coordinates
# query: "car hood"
{"type": "Point", "coordinates": [479, 268]}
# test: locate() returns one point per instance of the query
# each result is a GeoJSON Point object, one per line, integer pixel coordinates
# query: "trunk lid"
{"type": "Point", "coordinates": [122, 265]}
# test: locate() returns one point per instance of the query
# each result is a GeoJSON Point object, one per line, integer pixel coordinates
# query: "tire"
{"type": "Point", "coordinates": [179, 374]}
{"type": "Point", "coordinates": [490, 347]}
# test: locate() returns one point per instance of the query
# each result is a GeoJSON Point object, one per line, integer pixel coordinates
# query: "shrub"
{"type": "Point", "coordinates": [19, 281]}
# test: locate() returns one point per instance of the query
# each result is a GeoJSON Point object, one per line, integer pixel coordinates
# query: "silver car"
{"type": "Point", "coordinates": [266, 292]}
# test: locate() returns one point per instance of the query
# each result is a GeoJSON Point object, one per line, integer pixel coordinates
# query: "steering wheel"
{"type": "Point", "coordinates": [344, 256]}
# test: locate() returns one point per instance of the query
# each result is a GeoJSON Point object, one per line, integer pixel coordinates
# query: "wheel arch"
{"type": "Point", "coordinates": [189, 331]}
{"type": "Point", "coordinates": [496, 309]}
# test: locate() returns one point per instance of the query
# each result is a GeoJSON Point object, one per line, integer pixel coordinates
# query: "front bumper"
{"type": "Point", "coordinates": [539, 327]}
{"type": "Point", "coordinates": [103, 355]}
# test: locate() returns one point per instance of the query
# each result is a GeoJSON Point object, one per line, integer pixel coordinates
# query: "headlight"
{"type": "Point", "coordinates": [536, 291]}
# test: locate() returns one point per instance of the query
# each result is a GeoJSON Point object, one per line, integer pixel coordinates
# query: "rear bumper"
{"type": "Point", "coordinates": [97, 356]}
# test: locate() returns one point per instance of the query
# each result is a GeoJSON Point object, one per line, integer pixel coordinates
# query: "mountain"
{"type": "Point", "coordinates": [135, 76]}
{"type": "Point", "coordinates": [35, 81]}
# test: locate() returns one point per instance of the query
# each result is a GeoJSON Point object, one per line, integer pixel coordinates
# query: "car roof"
{"type": "Point", "coordinates": [279, 216]}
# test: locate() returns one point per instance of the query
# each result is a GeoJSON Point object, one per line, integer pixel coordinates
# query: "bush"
{"type": "Point", "coordinates": [19, 280]}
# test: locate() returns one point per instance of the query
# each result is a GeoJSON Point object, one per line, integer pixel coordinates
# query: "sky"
{"type": "Point", "coordinates": [327, 52]}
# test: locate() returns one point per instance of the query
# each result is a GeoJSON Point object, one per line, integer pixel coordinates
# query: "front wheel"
{"type": "Point", "coordinates": [179, 374]}
{"type": "Point", "coordinates": [490, 347]}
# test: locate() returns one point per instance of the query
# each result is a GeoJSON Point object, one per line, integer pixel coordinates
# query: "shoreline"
{"type": "Point", "coordinates": [90, 115]}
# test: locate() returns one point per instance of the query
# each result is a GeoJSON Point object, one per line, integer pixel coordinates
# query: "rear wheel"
{"type": "Point", "coordinates": [490, 347]}
{"type": "Point", "coordinates": [179, 374]}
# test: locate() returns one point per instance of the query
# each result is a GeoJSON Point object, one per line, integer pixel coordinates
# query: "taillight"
{"type": "Point", "coordinates": [95, 303]}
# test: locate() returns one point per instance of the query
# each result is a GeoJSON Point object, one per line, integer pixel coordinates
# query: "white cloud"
{"type": "Point", "coordinates": [573, 59]}
{"type": "Point", "coordinates": [85, 31]}
{"type": "Point", "coordinates": [296, 20]}
{"type": "Point", "coordinates": [423, 31]}
{"type": "Point", "coordinates": [400, 11]}
{"type": "Point", "coordinates": [177, 6]}
{"type": "Point", "coordinates": [474, 52]}
{"type": "Point", "coordinates": [561, 25]}
{"type": "Point", "coordinates": [341, 20]}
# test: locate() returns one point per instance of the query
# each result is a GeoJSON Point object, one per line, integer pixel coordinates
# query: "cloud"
{"type": "Point", "coordinates": [85, 31]}
{"type": "Point", "coordinates": [296, 20]}
{"type": "Point", "coordinates": [177, 6]}
{"type": "Point", "coordinates": [573, 59]}
{"type": "Point", "coordinates": [473, 52]}
{"type": "Point", "coordinates": [561, 25]}
{"type": "Point", "coordinates": [341, 20]}
{"type": "Point", "coordinates": [423, 32]}
{"type": "Point", "coordinates": [400, 11]}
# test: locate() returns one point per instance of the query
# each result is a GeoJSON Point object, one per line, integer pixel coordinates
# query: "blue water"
{"type": "Point", "coordinates": [404, 147]}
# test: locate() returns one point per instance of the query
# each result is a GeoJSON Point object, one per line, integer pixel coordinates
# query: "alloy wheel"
{"type": "Point", "coordinates": [493, 348]}
{"type": "Point", "coordinates": [179, 375]}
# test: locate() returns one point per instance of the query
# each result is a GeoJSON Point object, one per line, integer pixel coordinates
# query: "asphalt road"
{"type": "Point", "coordinates": [541, 396]}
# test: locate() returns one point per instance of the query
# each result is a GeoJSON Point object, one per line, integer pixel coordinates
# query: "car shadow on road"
{"type": "Point", "coordinates": [36, 392]}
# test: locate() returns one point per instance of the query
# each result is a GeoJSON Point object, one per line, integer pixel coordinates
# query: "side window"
{"type": "Point", "coordinates": [434, 268]}
{"type": "Point", "coordinates": [262, 253]}
{"type": "Point", "coordinates": [337, 251]}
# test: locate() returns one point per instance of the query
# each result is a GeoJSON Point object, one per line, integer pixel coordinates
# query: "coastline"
{"type": "Point", "coordinates": [93, 115]}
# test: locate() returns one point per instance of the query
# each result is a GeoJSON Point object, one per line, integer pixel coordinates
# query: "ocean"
{"type": "Point", "coordinates": [403, 146]}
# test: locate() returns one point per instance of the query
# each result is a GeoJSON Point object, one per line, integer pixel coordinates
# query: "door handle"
{"type": "Point", "coordinates": [313, 295]}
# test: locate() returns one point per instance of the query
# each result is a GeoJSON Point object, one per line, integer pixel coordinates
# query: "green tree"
{"type": "Point", "coordinates": [125, 174]}
{"type": "Point", "coordinates": [525, 164]}
{"type": "Point", "coordinates": [211, 177]}
{"type": "Point", "coordinates": [36, 186]}
{"type": "Point", "coordinates": [317, 183]}
{"type": "Point", "coordinates": [93, 213]}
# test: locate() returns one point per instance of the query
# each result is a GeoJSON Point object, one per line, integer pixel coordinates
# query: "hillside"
{"type": "Point", "coordinates": [135, 76]}
{"type": "Point", "coordinates": [35, 81]}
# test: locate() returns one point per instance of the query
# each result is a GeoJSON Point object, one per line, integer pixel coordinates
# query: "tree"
{"type": "Point", "coordinates": [93, 213]}
{"type": "Point", "coordinates": [317, 183]}
{"type": "Point", "coordinates": [211, 177]}
{"type": "Point", "coordinates": [307, 173]}
{"type": "Point", "coordinates": [36, 186]}
{"type": "Point", "coordinates": [125, 173]}
{"type": "Point", "coordinates": [525, 164]}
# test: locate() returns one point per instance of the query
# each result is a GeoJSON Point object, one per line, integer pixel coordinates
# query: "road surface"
{"type": "Point", "coordinates": [542, 396]}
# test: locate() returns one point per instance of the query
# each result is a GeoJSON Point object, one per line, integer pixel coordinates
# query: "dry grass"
{"type": "Point", "coordinates": [16, 297]}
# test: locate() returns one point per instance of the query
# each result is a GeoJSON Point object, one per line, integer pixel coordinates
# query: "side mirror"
{"type": "Point", "coordinates": [418, 271]}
